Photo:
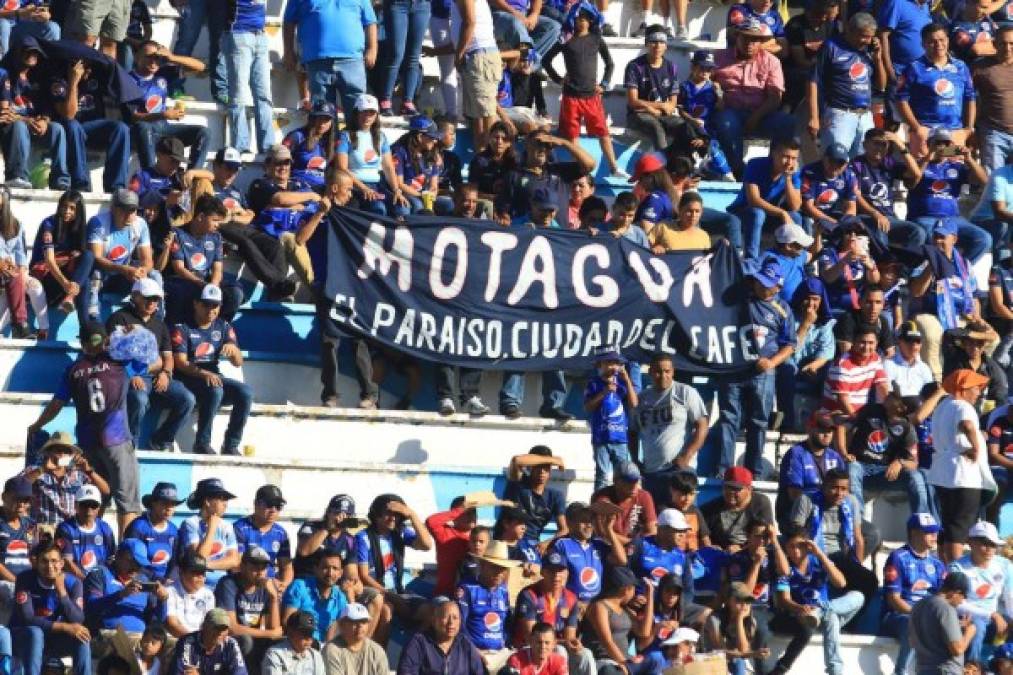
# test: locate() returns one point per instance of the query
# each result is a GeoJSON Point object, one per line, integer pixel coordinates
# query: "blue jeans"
{"type": "Point", "coordinates": [846, 128]}
{"type": "Point", "coordinates": [115, 284]}
{"type": "Point", "coordinates": [32, 643]}
{"type": "Point", "coordinates": [193, 135]}
{"type": "Point", "coordinates": [874, 475]}
{"type": "Point", "coordinates": [836, 613]}
{"type": "Point", "coordinates": [606, 457]}
{"type": "Point", "coordinates": [111, 136]}
{"type": "Point", "coordinates": [192, 18]}
{"type": "Point", "coordinates": [176, 400]}
{"type": "Point", "coordinates": [209, 402]}
{"type": "Point", "coordinates": [729, 127]}
{"type": "Point", "coordinates": [248, 64]}
{"type": "Point", "coordinates": [895, 625]}
{"type": "Point", "coordinates": [336, 80]}
{"type": "Point", "coordinates": [553, 389]}
{"type": "Point", "coordinates": [974, 241]}
{"type": "Point", "coordinates": [180, 294]}
{"type": "Point", "coordinates": [902, 232]}
{"type": "Point", "coordinates": [512, 32]}
{"type": "Point", "coordinates": [17, 147]}
{"type": "Point", "coordinates": [752, 222]}
{"type": "Point", "coordinates": [749, 402]}
{"type": "Point", "coordinates": [998, 229]}
{"type": "Point", "coordinates": [14, 32]}
{"type": "Point", "coordinates": [406, 23]}
{"type": "Point", "coordinates": [722, 223]}
{"type": "Point", "coordinates": [984, 629]}
{"type": "Point", "coordinates": [996, 147]}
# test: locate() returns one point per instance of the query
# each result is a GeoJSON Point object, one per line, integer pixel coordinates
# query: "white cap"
{"type": "Point", "coordinates": [985, 530]}
{"type": "Point", "coordinates": [88, 493]}
{"type": "Point", "coordinates": [673, 518]}
{"type": "Point", "coordinates": [791, 233]}
{"type": "Point", "coordinates": [355, 612]}
{"type": "Point", "coordinates": [149, 288]}
{"type": "Point", "coordinates": [211, 293]}
{"type": "Point", "coordinates": [680, 635]}
{"type": "Point", "coordinates": [366, 102]}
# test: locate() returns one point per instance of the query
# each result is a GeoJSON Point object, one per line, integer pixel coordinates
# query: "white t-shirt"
{"type": "Point", "coordinates": [665, 420]}
{"type": "Point", "coordinates": [188, 608]}
{"type": "Point", "coordinates": [484, 36]}
{"type": "Point", "coordinates": [950, 467]}
{"type": "Point", "coordinates": [909, 377]}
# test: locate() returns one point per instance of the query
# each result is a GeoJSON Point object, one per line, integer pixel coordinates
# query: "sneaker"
{"type": "Point", "coordinates": [386, 109]}
{"type": "Point", "coordinates": [681, 33]}
{"type": "Point", "coordinates": [329, 402]}
{"type": "Point", "coordinates": [608, 31]}
{"type": "Point", "coordinates": [21, 331]}
{"type": "Point", "coordinates": [474, 406]}
{"type": "Point", "coordinates": [620, 175]}
{"type": "Point", "coordinates": [557, 414]}
{"type": "Point", "coordinates": [641, 29]}
{"type": "Point", "coordinates": [42, 334]}
{"type": "Point", "coordinates": [408, 109]}
{"type": "Point", "coordinates": [447, 407]}
{"type": "Point", "coordinates": [510, 411]}
{"type": "Point", "coordinates": [367, 404]}
{"type": "Point", "coordinates": [67, 305]}
{"type": "Point", "coordinates": [19, 184]}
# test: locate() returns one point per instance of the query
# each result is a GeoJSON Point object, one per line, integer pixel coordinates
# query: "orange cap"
{"type": "Point", "coordinates": [965, 378]}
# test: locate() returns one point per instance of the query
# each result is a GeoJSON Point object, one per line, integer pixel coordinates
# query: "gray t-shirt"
{"type": "Point", "coordinates": [833, 535]}
{"type": "Point", "coordinates": [934, 625]}
{"type": "Point", "coordinates": [663, 419]}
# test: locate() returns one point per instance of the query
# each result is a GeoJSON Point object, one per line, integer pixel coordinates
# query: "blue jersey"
{"type": "Point", "coordinates": [16, 543]}
{"type": "Point", "coordinates": [39, 605]}
{"type": "Point", "coordinates": [912, 576]}
{"type": "Point", "coordinates": [161, 544]}
{"type": "Point", "coordinates": [741, 13]}
{"type": "Point", "coordinates": [608, 422]}
{"type": "Point", "coordinates": [98, 386]}
{"type": "Point", "coordinates": [650, 560]}
{"type": "Point", "coordinates": [90, 97]}
{"type": "Point", "coordinates": [843, 75]}
{"type": "Point", "coordinates": [275, 542]}
{"type": "Point", "coordinates": [585, 563]}
{"type": "Point", "coordinates": [655, 208]}
{"type": "Point", "coordinates": [829, 195]}
{"type": "Point", "coordinates": [308, 163]}
{"type": "Point", "coordinates": [364, 553]}
{"type": "Point", "coordinates": [773, 326]}
{"type": "Point", "coordinates": [698, 100]}
{"type": "Point", "coordinates": [232, 198]}
{"type": "Point", "coordinates": [23, 94]}
{"type": "Point", "coordinates": [198, 253]}
{"type": "Point", "coordinates": [801, 469]}
{"type": "Point", "coordinates": [905, 20]}
{"type": "Point", "coordinates": [706, 564]}
{"type": "Point", "coordinates": [118, 244]}
{"type": "Point", "coordinates": [103, 601]}
{"type": "Point", "coordinates": [935, 195]}
{"type": "Point", "coordinates": [758, 172]}
{"type": "Point", "coordinates": [155, 88]}
{"type": "Point", "coordinates": [505, 90]}
{"type": "Point", "coordinates": [249, 16]}
{"type": "Point", "coordinates": [806, 588]}
{"type": "Point", "coordinates": [484, 615]}
{"type": "Point", "coordinates": [937, 94]}
{"type": "Point", "coordinates": [203, 346]}
{"type": "Point", "coordinates": [964, 35]}
{"type": "Point", "coordinates": [146, 180]}
{"type": "Point", "coordinates": [738, 567]}
{"type": "Point", "coordinates": [417, 174]}
{"type": "Point", "coordinates": [876, 182]}
{"type": "Point", "coordinates": [45, 240]}
{"type": "Point", "coordinates": [88, 548]}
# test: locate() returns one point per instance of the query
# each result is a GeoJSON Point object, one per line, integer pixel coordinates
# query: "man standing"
{"type": "Point", "coordinates": [248, 67]}
{"type": "Point", "coordinates": [98, 386]}
{"type": "Point", "coordinates": [167, 393]}
{"type": "Point", "coordinates": [993, 79]}
{"type": "Point", "coordinates": [210, 650]}
{"type": "Point", "coordinates": [672, 424]}
{"type": "Point", "coordinates": [847, 70]}
{"type": "Point", "coordinates": [337, 44]}
{"type": "Point", "coordinates": [900, 24]}
{"type": "Point", "coordinates": [939, 636]}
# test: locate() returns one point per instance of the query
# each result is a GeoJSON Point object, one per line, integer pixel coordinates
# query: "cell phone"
{"type": "Point", "coordinates": [863, 244]}
{"type": "Point", "coordinates": [149, 586]}
{"type": "Point", "coordinates": [949, 151]}
{"type": "Point", "coordinates": [64, 460]}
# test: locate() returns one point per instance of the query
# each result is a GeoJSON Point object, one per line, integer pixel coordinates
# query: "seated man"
{"type": "Point", "coordinates": [154, 67]}
{"type": "Point", "coordinates": [771, 191]}
{"type": "Point", "coordinates": [261, 529]}
{"type": "Point", "coordinates": [351, 650]}
{"type": "Point", "coordinates": [877, 169]}
{"type": "Point", "coordinates": [804, 465]}
{"type": "Point", "coordinates": [209, 649]}
{"type": "Point", "coordinates": [115, 594]}
{"type": "Point", "coordinates": [637, 517]}
{"type": "Point", "coordinates": [856, 379]}
{"type": "Point", "coordinates": [485, 606]}
{"type": "Point", "coordinates": [165, 175]}
{"type": "Point", "coordinates": [318, 595]}
{"type": "Point", "coordinates": [728, 516]}
{"type": "Point", "coordinates": [869, 316]}
{"type": "Point", "coordinates": [991, 577]}
{"type": "Point", "coordinates": [78, 101]}
{"type": "Point", "coordinates": [187, 600]}
{"type": "Point", "coordinates": [22, 18]}
{"type": "Point", "coordinates": [197, 349]}
{"type": "Point", "coordinates": [251, 600]}
{"type": "Point", "coordinates": [86, 541]}
{"type": "Point", "coordinates": [829, 189]}
{"type": "Point", "coordinates": [296, 653]}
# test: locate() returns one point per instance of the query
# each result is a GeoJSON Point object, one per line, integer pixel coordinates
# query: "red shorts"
{"type": "Point", "coordinates": [590, 111]}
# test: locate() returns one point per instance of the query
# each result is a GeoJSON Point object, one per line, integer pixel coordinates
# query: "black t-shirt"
{"type": "Point", "coordinates": [877, 440]}
{"type": "Point", "coordinates": [127, 317]}
{"type": "Point", "coordinates": [728, 527]}
{"type": "Point", "coordinates": [490, 176]}
{"type": "Point", "coordinates": [521, 184]}
{"type": "Point", "coordinates": [849, 323]}
{"type": "Point", "coordinates": [540, 509]}
{"type": "Point", "coordinates": [799, 33]}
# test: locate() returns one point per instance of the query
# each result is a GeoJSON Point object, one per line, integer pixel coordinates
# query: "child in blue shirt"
{"type": "Point", "coordinates": [699, 97]}
{"type": "Point", "coordinates": [604, 397]}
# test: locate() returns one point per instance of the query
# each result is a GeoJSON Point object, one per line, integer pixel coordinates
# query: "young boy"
{"type": "Point", "coordinates": [582, 91]}
{"type": "Point", "coordinates": [624, 212]}
{"type": "Point", "coordinates": [149, 648]}
{"type": "Point", "coordinates": [478, 541]}
{"type": "Point", "coordinates": [604, 399]}
{"type": "Point", "coordinates": [585, 553]}
{"type": "Point", "coordinates": [682, 493]}
{"type": "Point", "coordinates": [85, 541]}
{"type": "Point", "coordinates": [699, 97]}
{"type": "Point", "coordinates": [450, 172]}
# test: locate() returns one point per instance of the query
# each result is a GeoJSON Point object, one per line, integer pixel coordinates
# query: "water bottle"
{"type": "Point", "coordinates": [39, 176]}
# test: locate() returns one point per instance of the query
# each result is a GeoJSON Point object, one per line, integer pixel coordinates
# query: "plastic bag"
{"type": "Point", "coordinates": [137, 344]}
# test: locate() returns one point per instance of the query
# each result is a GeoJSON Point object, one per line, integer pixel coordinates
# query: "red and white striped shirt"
{"type": "Point", "coordinates": [853, 379]}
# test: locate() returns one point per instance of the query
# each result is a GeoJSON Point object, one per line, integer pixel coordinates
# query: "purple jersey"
{"type": "Point", "coordinates": [843, 75]}
{"type": "Point", "coordinates": [98, 385]}
{"type": "Point", "coordinates": [198, 253]}
{"type": "Point", "coordinates": [203, 346]}
{"type": "Point", "coordinates": [964, 35]}
{"type": "Point", "coordinates": [935, 195]}
{"type": "Point", "coordinates": [829, 195]}
{"type": "Point", "coordinates": [155, 88]}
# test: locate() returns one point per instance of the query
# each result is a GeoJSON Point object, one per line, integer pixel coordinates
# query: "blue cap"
{"type": "Point", "coordinates": [945, 226]}
{"type": "Point", "coordinates": [162, 492]}
{"type": "Point", "coordinates": [18, 487]}
{"type": "Point", "coordinates": [837, 152]}
{"type": "Point", "coordinates": [768, 273]}
{"type": "Point", "coordinates": [136, 549]}
{"type": "Point", "coordinates": [924, 522]}
{"type": "Point", "coordinates": [704, 58]}
{"type": "Point", "coordinates": [554, 560]}
{"type": "Point", "coordinates": [323, 109]}
{"type": "Point", "coordinates": [425, 125]}
{"type": "Point", "coordinates": [627, 471]}
{"type": "Point", "coordinates": [534, 59]}
{"type": "Point", "coordinates": [609, 353]}
{"type": "Point", "coordinates": [541, 198]}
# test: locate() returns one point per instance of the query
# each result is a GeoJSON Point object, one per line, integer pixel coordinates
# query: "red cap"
{"type": "Point", "coordinates": [648, 163]}
{"type": "Point", "coordinates": [739, 475]}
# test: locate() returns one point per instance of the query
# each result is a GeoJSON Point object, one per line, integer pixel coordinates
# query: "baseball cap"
{"type": "Point", "coordinates": [211, 294]}
{"type": "Point", "coordinates": [956, 581]}
{"type": "Point", "coordinates": [270, 495]}
{"type": "Point", "coordinates": [256, 554]}
{"type": "Point", "coordinates": [554, 560]}
{"type": "Point", "coordinates": [768, 273]}
{"type": "Point", "coordinates": [19, 487]}
{"type": "Point", "coordinates": [192, 561]}
{"type": "Point", "coordinates": [172, 146]}
{"type": "Point", "coordinates": [148, 288]}
{"type": "Point", "coordinates": [93, 333]}
{"type": "Point", "coordinates": [366, 102]}
{"type": "Point", "coordinates": [738, 475]}
{"type": "Point", "coordinates": [88, 493]}
{"type": "Point", "coordinates": [608, 354]}
{"type": "Point", "coordinates": [355, 612]}
{"type": "Point", "coordinates": [821, 419]}
{"type": "Point", "coordinates": [753, 27]}
{"type": "Point", "coordinates": [837, 152]}
{"type": "Point", "coordinates": [909, 330]}
{"type": "Point", "coordinates": [985, 530]}
{"type": "Point", "coordinates": [303, 622]}
{"type": "Point", "coordinates": [125, 199]}
{"type": "Point", "coordinates": [621, 576]}
{"type": "Point", "coordinates": [230, 157]}
{"type": "Point", "coordinates": [945, 226]}
{"type": "Point", "coordinates": [627, 471]}
{"type": "Point", "coordinates": [940, 134]}
{"type": "Point", "coordinates": [342, 504]}
{"type": "Point", "coordinates": [576, 509]}
{"type": "Point", "coordinates": [965, 378]}
{"type": "Point", "coordinates": [924, 522]}
{"type": "Point", "coordinates": [680, 635]}
{"type": "Point", "coordinates": [279, 153]}
{"type": "Point", "coordinates": [217, 617]}
{"type": "Point", "coordinates": [648, 163]}
{"type": "Point", "coordinates": [425, 125]}
{"type": "Point", "coordinates": [541, 198]}
{"type": "Point", "coordinates": [323, 109]}
{"type": "Point", "coordinates": [704, 58]}
{"type": "Point", "coordinates": [673, 518]}
{"type": "Point", "coordinates": [136, 549]}
{"type": "Point", "coordinates": [791, 233]}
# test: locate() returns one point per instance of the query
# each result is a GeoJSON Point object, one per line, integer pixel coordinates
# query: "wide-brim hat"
{"type": "Point", "coordinates": [497, 553]}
